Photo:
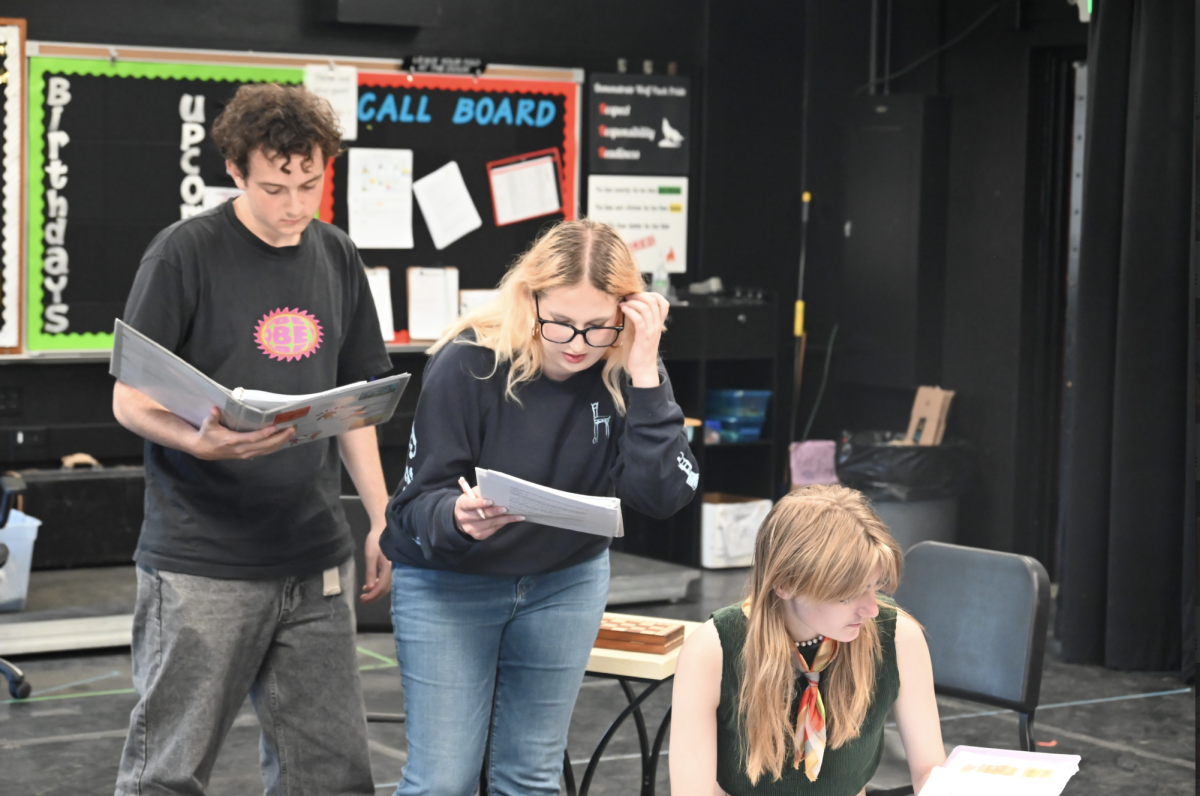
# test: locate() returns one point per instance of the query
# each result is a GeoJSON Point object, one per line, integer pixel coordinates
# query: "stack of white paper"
{"type": "Point", "coordinates": [432, 301]}
{"type": "Point", "coordinates": [447, 205]}
{"type": "Point", "coordinates": [470, 300]}
{"type": "Point", "coordinates": [546, 506]}
{"type": "Point", "coordinates": [976, 771]}
{"type": "Point", "coordinates": [380, 280]}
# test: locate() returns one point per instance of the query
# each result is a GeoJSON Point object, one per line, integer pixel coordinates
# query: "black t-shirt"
{"type": "Point", "coordinates": [296, 319]}
{"type": "Point", "coordinates": [562, 434]}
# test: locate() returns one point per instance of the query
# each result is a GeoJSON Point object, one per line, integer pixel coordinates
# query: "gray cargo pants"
{"type": "Point", "coordinates": [200, 645]}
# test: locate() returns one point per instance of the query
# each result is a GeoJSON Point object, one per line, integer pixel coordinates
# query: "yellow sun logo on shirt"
{"type": "Point", "coordinates": [288, 334]}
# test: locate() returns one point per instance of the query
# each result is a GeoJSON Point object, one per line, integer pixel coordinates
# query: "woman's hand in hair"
{"type": "Point", "coordinates": [467, 519]}
{"type": "Point", "coordinates": [647, 312]}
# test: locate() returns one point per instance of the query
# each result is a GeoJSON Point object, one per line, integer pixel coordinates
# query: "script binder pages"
{"type": "Point", "coordinates": [154, 371]}
{"type": "Point", "coordinates": [546, 506]}
{"type": "Point", "coordinates": [978, 771]}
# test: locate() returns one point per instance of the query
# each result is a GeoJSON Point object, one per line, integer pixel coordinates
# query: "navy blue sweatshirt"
{"type": "Point", "coordinates": [562, 434]}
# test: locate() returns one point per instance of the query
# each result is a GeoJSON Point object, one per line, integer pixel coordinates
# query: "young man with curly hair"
{"type": "Point", "coordinates": [245, 560]}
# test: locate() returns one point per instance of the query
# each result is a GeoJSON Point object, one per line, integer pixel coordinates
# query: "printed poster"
{"type": "Point", "coordinates": [650, 213]}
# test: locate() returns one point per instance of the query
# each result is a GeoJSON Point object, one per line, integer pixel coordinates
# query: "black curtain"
{"type": "Point", "coordinates": [1123, 576]}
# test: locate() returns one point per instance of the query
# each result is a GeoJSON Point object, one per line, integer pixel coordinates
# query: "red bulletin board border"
{"type": "Point", "coordinates": [537, 155]}
{"type": "Point", "coordinates": [569, 91]}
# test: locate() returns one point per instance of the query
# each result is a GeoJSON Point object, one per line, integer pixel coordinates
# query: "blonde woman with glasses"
{"type": "Point", "coordinates": [788, 691]}
{"type": "Point", "coordinates": [557, 382]}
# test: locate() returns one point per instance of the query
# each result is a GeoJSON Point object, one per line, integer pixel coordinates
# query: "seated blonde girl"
{"type": "Point", "coordinates": [788, 692]}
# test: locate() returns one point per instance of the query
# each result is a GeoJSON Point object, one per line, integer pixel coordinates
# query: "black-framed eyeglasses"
{"type": "Point", "coordinates": [595, 336]}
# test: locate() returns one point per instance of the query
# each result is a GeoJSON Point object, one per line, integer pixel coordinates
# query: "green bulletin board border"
{"type": "Point", "coordinates": [35, 338]}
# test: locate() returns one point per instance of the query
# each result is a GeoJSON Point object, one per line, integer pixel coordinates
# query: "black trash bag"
{"type": "Point", "coordinates": [903, 473]}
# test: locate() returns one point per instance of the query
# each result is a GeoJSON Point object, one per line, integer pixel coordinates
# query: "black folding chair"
{"type": "Point", "coordinates": [985, 616]}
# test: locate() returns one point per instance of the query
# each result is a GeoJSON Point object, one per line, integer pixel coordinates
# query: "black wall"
{"type": "Point", "coordinates": [757, 147]}
{"type": "Point", "coordinates": [65, 408]}
{"type": "Point", "coordinates": [587, 34]}
{"type": "Point", "coordinates": [987, 79]}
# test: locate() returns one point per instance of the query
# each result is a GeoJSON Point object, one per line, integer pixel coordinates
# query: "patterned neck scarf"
{"type": "Point", "coordinates": [810, 717]}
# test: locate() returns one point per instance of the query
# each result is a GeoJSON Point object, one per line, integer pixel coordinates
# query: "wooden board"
{"type": "Point", "coordinates": [634, 646]}
{"type": "Point", "coordinates": [642, 665]}
{"type": "Point", "coordinates": [663, 635]}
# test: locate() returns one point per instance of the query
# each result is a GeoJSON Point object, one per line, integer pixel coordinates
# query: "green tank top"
{"type": "Point", "coordinates": [845, 770]}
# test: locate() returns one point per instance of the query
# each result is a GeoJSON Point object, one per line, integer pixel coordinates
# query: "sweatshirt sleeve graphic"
{"type": "Point", "coordinates": [655, 471]}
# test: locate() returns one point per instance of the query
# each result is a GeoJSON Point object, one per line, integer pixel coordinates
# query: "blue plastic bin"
{"type": "Point", "coordinates": [738, 403]}
{"type": "Point", "coordinates": [738, 429]}
{"type": "Point", "coordinates": [740, 413]}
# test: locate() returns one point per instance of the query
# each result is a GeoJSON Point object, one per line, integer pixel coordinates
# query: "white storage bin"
{"type": "Point", "coordinates": [19, 535]}
{"type": "Point", "coordinates": [728, 527]}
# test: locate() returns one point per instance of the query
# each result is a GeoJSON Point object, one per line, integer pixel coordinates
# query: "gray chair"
{"type": "Point", "coordinates": [985, 615]}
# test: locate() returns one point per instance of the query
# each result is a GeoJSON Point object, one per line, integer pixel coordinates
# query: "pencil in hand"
{"type": "Point", "coordinates": [467, 491]}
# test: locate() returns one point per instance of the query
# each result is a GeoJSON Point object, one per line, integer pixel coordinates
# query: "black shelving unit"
{"type": "Point", "coordinates": [717, 345]}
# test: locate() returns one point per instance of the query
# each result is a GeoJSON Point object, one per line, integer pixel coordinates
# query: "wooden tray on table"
{"type": "Point", "coordinates": [639, 634]}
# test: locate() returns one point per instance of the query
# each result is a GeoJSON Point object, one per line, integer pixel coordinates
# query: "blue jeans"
{"type": "Point", "coordinates": [493, 661]}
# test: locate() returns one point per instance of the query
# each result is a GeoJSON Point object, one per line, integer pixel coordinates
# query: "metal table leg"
{"type": "Point", "coordinates": [650, 778]}
{"type": "Point", "coordinates": [643, 739]}
{"type": "Point", "coordinates": [649, 753]}
{"type": "Point", "coordinates": [634, 705]}
{"type": "Point", "coordinates": [568, 774]}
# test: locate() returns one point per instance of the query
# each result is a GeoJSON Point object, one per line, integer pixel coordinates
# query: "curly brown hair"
{"type": "Point", "coordinates": [282, 121]}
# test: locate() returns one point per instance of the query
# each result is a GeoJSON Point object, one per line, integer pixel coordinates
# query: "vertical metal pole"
{"type": "Point", "coordinates": [798, 329]}
{"type": "Point", "coordinates": [1071, 315]}
{"type": "Point", "coordinates": [874, 54]}
{"type": "Point", "coordinates": [887, 51]}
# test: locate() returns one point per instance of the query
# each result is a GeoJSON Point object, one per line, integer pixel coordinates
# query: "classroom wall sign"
{"type": "Point", "coordinates": [117, 153]}
{"type": "Point", "coordinates": [119, 148]}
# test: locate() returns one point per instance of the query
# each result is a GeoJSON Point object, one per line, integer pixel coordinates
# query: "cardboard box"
{"type": "Point", "coordinates": [728, 526]}
{"type": "Point", "coordinates": [928, 422]}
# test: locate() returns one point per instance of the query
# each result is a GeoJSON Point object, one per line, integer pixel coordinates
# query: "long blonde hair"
{"type": "Point", "coordinates": [821, 543]}
{"type": "Point", "coordinates": [566, 255]}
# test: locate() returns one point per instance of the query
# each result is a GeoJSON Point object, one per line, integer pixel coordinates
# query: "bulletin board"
{"type": "Point", "coordinates": [482, 124]}
{"type": "Point", "coordinates": [108, 171]}
{"type": "Point", "coordinates": [110, 165]}
{"type": "Point", "coordinates": [12, 181]}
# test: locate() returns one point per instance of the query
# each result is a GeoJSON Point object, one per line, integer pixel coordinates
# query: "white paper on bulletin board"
{"type": "Point", "coordinates": [339, 85]}
{"type": "Point", "coordinates": [650, 213]}
{"type": "Point", "coordinates": [379, 198]}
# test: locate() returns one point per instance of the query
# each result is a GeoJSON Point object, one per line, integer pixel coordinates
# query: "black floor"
{"type": "Point", "coordinates": [1135, 732]}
